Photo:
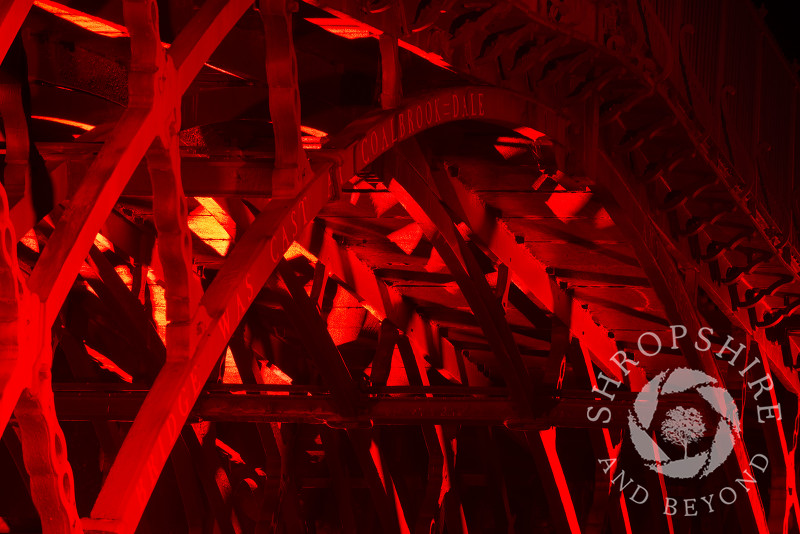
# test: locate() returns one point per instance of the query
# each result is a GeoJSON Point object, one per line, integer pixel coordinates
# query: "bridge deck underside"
{"type": "Point", "coordinates": [367, 266]}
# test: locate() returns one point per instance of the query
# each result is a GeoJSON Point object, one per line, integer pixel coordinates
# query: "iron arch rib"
{"type": "Point", "coordinates": [133, 476]}
{"type": "Point", "coordinates": [696, 156]}
{"type": "Point", "coordinates": [409, 184]}
{"type": "Point", "coordinates": [253, 259]}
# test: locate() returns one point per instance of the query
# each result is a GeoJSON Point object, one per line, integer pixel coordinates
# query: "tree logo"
{"type": "Point", "coordinates": [682, 426]}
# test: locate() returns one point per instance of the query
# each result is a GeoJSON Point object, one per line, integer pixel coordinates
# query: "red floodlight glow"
{"type": "Point", "coordinates": [312, 138]}
{"type": "Point", "coordinates": [84, 20]}
{"type": "Point", "coordinates": [124, 273]}
{"type": "Point", "coordinates": [231, 372]}
{"type": "Point", "coordinates": [158, 303]}
{"type": "Point", "coordinates": [30, 240]}
{"type": "Point", "coordinates": [100, 26]}
{"type": "Point", "coordinates": [271, 374]}
{"type": "Point", "coordinates": [430, 57]}
{"type": "Point", "coordinates": [346, 27]}
{"type": "Point", "coordinates": [75, 124]}
{"type": "Point", "coordinates": [208, 222]}
{"type": "Point", "coordinates": [222, 71]}
{"type": "Point", "coordinates": [108, 365]}
{"type": "Point", "coordinates": [530, 133]}
{"type": "Point", "coordinates": [566, 205]}
{"type": "Point", "coordinates": [407, 237]}
{"type": "Point", "coordinates": [102, 243]}
{"type": "Point", "coordinates": [311, 142]}
{"type": "Point", "coordinates": [308, 130]}
{"type": "Point", "coordinates": [350, 28]}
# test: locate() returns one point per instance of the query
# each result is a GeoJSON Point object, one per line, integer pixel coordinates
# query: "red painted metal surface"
{"type": "Point", "coordinates": [413, 323]}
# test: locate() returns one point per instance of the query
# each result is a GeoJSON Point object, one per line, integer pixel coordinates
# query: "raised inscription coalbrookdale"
{"type": "Point", "coordinates": [408, 121]}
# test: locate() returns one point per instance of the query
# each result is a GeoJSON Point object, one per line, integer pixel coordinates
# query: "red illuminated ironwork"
{"type": "Point", "coordinates": [96, 25]}
{"type": "Point", "coordinates": [466, 252]}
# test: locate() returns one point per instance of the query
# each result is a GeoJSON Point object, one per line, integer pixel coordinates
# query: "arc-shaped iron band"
{"type": "Point", "coordinates": [150, 440]}
{"type": "Point", "coordinates": [154, 432]}
{"type": "Point", "coordinates": [411, 186]}
{"type": "Point", "coordinates": [252, 261]}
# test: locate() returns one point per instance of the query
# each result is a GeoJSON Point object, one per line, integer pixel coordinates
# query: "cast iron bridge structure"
{"type": "Point", "coordinates": [356, 265]}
